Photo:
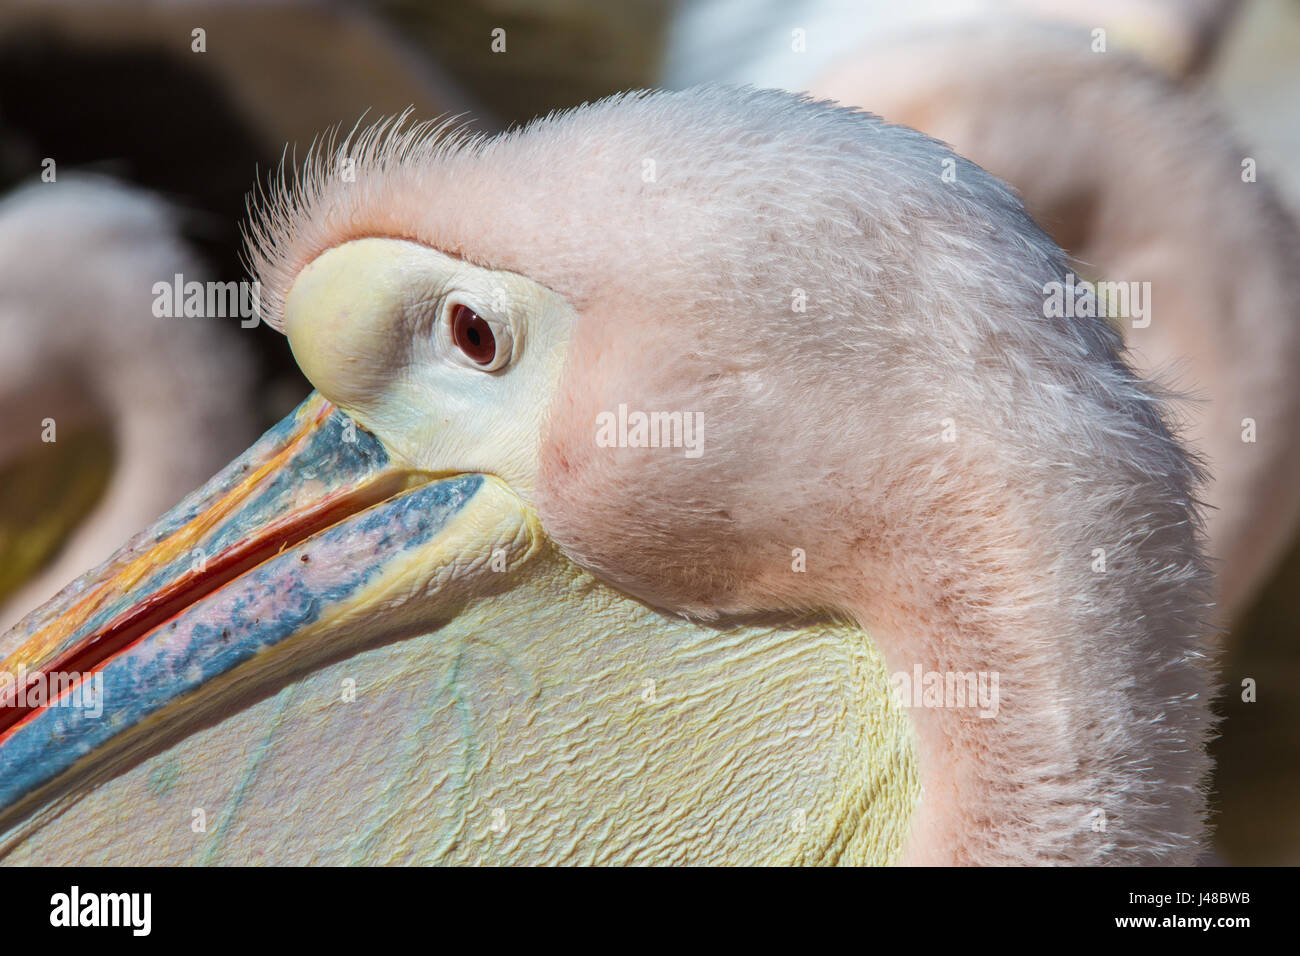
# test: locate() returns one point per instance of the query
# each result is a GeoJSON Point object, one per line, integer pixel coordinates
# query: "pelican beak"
{"type": "Point", "coordinates": [313, 538]}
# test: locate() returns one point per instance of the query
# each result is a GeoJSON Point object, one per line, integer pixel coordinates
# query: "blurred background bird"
{"type": "Point", "coordinates": [110, 416]}
{"type": "Point", "coordinates": [1140, 179]}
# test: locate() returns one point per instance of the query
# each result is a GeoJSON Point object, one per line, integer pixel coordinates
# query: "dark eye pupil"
{"type": "Point", "coordinates": [473, 335]}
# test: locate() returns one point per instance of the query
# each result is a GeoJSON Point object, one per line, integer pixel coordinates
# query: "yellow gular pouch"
{"type": "Point", "coordinates": [510, 736]}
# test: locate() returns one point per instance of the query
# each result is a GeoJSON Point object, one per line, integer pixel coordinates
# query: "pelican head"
{"type": "Point", "coordinates": [662, 453]}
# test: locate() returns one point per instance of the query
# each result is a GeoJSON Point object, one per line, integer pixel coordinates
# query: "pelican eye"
{"type": "Point", "coordinates": [473, 336]}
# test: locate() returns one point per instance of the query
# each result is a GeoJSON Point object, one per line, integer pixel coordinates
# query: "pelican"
{"type": "Point", "coordinates": [462, 607]}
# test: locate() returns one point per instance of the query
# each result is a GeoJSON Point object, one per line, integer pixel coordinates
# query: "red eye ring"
{"type": "Point", "coordinates": [472, 335]}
